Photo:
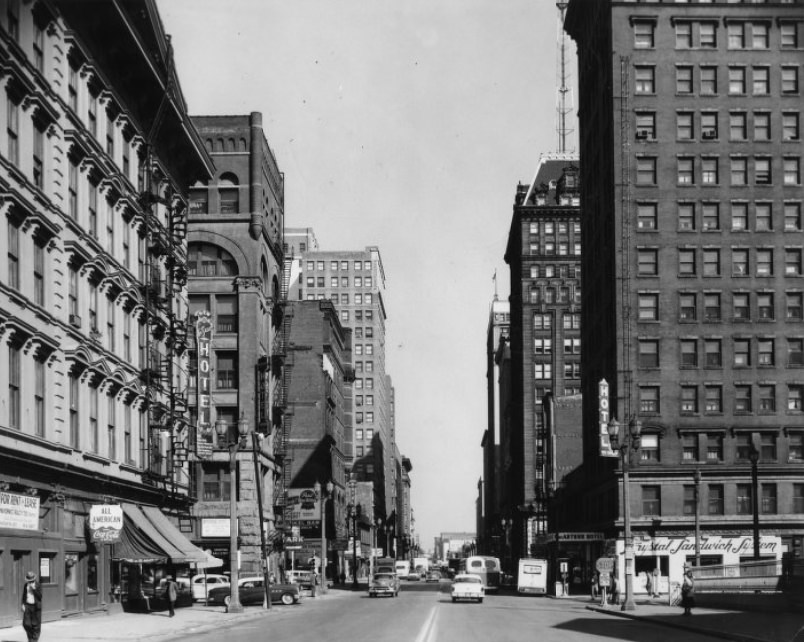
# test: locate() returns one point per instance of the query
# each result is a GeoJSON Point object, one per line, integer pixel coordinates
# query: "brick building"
{"type": "Point", "coordinates": [235, 261]}
{"type": "Point", "coordinates": [543, 252]}
{"type": "Point", "coordinates": [690, 119]}
{"type": "Point", "coordinates": [95, 162]}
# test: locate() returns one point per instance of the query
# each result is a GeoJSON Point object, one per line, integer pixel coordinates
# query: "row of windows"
{"type": "Point", "coordinates": [367, 383]}
{"type": "Point", "coordinates": [703, 34]}
{"type": "Point", "coordinates": [369, 417]}
{"type": "Point", "coordinates": [714, 500]}
{"type": "Point", "coordinates": [361, 434]}
{"type": "Point", "coordinates": [545, 346]}
{"type": "Point", "coordinates": [745, 306]}
{"type": "Point", "coordinates": [365, 298]}
{"type": "Point", "coordinates": [706, 125]}
{"type": "Point", "coordinates": [706, 170]}
{"type": "Point", "coordinates": [709, 261]}
{"type": "Point", "coordinates": [359, 366]}
{"type": "Point", "coordinates": [540, 391]}
{"type": "Point", "coordinates": [334, 266]}
{"type": "Point", "coordinates": [361, 349]}
{"type": "Point", "coordinates": [552, 271]}
{"type": "Point", "coordinates": [569, 321]}
{"type": "Point", "coordinates": [709, 446]}
{"type": "Point", "coordinates": [740, 78]}
{"type": "Point", "coordinates": [746, 352]}
{"type": "Point", "coordinates": [542, 371]}
{"type": "Point", "coordinates": [551, 248]}
{"type": "Point", "coordinates": [343, 282]}
{"type": "Point", "coordinates": [551, 294]}
{"type": "Point", "coordinates": [758, 216]}
{"type": "Point", "coordinates": [551, 228]}
{"type": "Point", "coordinates": [360, 399]}
{"type": "Point", "coordinates": [744, 398]}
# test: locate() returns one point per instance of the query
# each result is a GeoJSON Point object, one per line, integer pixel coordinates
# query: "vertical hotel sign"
{"type": "Point", "coordinates": [203, 334]}
{"type": "Point", "coordinates": [604, 414]}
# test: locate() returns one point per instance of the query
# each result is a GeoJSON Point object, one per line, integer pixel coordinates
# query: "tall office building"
{"type": "Point", "coordinates": [355, 283]}
{"type": "Point", "coordinates": [691, 148]}
{"type": "Point", "coordinates": [543, 252]}
{"type": "Point", "coordinates": [95, 163]}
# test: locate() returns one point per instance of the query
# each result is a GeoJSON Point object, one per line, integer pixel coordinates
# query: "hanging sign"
{"type": "Point", "coordinates": [604, 414]}
{"type": "Point", "coordinates": [106, 522]}
{"type": "Point", "coordinates": [203, 333]}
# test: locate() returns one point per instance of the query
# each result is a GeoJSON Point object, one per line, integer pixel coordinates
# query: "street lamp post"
{"type": "Point", "coordinates": [506, 524]}
{"type": "Point", "coordinates": [323, 497]}
{"type": "Point", "coordinates": [222, 428]}
{"type": "Point", "coordinates": [630, 442]}
{"type": "Point", "coordinates": [697, 478]}
{"type": "Point", "coordinates": [754, 457]}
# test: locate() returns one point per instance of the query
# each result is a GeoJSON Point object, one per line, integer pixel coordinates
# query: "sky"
{"type": "Point", "coordinates": [404, 124]}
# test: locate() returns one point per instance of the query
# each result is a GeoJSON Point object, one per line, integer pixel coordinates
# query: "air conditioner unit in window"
{"type": "Point", "coordinates": [643, 135]}
{"type": "Point", "coordinates": [75, 321]}
{"type": "Point", "coordinates": [709, 134]}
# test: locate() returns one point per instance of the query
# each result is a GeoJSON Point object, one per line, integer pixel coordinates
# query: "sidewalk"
{"type": "Point", "coordinates": [741, 626]}
{"type": "Point", "coordinates": [155, 626]}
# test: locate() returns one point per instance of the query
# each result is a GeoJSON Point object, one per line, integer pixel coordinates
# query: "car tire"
{"type": "Point", "coordinates": [480, 600]}
{"type": "Point", "coordinates": [287, 599]}
{"type": "Point", "coordinates": [454, 599]}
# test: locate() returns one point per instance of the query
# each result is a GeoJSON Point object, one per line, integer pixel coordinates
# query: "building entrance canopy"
{"type": "Point", "coordinates": [149, 537]}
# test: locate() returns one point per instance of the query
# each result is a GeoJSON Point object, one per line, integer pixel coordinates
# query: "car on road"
{"type": "Point", "coordinates": [201, 584]}
{"type": "Point", "coordinates": [467, 586]}
{"type": "Point", "coordinates": [433, 576]}
{"type": "Point", "coordinates": [413, 576]}
{"type": "Point", "coordinates": [251, 591]}
{"type": "Point", "coordinates": [384, 584]}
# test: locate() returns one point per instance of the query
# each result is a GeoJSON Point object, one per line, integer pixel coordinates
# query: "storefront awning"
{"type": "Point", "coordinates": [148, 536]}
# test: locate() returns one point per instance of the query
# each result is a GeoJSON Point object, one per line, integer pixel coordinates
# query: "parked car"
{"type": "Point", "coordinates": [251, 591]}
{"type": "Point", "coordinates": [202, 584]}
{"type": "Point", "coordinates": [303, 578]}
{"type": "Point", "coordinates": [433, 576]}
{"type": "Point", "coordinates": [384, 584]}
{"type": "Point", "coordinates": [467, 586]}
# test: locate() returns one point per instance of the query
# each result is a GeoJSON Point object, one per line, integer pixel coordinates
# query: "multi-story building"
{"type": "Point", "coordinates": [237, 293]}
{"type": "Point", "coordinates": [692, 269]}
{"type": "Point", "coordinates": [355, 282]}
{"type": "Point", "coordinates": [544, 248]}
{"type": "Point", "coordinates": [95, 162]}
{"type": "Point", "coordinates": [318, 368]}
{"type": "Point", "coordinates": [490, 497]}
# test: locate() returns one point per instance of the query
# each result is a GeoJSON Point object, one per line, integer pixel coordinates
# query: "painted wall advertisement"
{"type": "Point", "coordinates": [19, 511]}
{"type": "Point", "coordinates": [304, 506]}
{"type": "Point", "coordinates": [106, 522]}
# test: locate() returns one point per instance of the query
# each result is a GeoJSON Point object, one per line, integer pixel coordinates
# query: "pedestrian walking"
{"type": "Point", "coordinates": [615, 590]}
{"type": "Point", "coordinates": [595, 586]}
{"type": "Point", "coordinates": [688, 592]}
{"type": "Point", "coordinates": [649, 584]}
{"type": "Point", "coordinates": [171, 593]}
{"type": "Point", "coordinates": [32, 607]}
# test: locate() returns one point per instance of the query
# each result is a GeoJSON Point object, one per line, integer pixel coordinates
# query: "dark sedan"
{"type": "Point", "coordinates": [252, 591]}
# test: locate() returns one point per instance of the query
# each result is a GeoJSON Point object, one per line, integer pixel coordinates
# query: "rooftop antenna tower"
{"type": "Point", "coordinates": [564, 102]}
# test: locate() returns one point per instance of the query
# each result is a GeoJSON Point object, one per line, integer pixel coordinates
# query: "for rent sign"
{"type": "Point", "coordinates": [19, 511]}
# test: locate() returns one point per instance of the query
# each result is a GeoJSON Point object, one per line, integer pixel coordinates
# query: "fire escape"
{"type": "Point", "coordinates": [165, 336]}
{"type": "Point", "coordinates": [281, 419]}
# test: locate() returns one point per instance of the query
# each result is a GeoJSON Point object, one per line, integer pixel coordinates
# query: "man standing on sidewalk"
{"type": "Point", "coordinates": [32, 607]}
{"type": "Point", "coordinates": [171, 593]}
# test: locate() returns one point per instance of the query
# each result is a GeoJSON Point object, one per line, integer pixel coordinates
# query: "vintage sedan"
{"type": "Point", "coordinates": [251, 591]}
{"type": "Point", "coordinates": [433, 576]}
{"type": "Point", "coordinates": [384, 584]}
{"type": "Point", "coordinates": [467, 586]}
{"type": "Point", "coordinates": [203, 583]}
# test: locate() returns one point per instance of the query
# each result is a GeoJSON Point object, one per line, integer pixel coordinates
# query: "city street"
{"type": "Point", "coordinates": [422, 613]}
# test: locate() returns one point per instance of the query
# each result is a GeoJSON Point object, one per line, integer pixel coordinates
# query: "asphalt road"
{"type": "Point", "coordinates": [423, 613]}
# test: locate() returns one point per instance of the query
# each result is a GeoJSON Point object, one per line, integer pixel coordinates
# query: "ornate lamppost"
{"type": "Point", "coordinates": [222, 428]}
{"type": "Point", "coordinates": [630, 443]}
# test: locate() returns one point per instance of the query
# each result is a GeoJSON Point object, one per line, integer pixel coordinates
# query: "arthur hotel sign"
{"type": "Point", "coordinates": [203, 333]}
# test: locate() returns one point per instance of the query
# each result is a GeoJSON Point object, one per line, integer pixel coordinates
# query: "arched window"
{"type": "Point", "coordinates": [229, 194]}
{"type": "Point", "coordinates": [205, 259]}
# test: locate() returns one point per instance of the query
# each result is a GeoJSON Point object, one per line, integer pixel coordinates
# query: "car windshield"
{"type": "Point", "coordinates": [383, 576]}
{"type": "Point", "coordinates": [468, 580]}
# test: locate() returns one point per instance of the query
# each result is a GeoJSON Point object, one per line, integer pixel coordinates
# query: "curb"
{"type": "Point", "coordinates": [735, 637]}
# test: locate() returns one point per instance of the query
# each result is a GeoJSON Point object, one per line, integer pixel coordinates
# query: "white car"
{"type": "Point", "coordinates": [212, 580]}
{"type": "Point", "coordinates": [467, 586]}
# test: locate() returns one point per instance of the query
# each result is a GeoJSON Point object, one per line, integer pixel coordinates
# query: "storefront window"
{"type": "Point", "coordinates": [71, 573]}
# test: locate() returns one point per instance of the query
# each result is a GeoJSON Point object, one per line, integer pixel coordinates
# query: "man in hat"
{"type": "Point", "coordinates": [171, 593]}
{"type": "Point", "coordinates": [32, 607]}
